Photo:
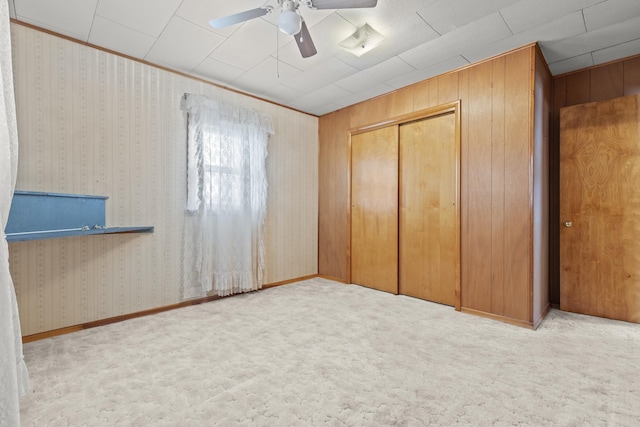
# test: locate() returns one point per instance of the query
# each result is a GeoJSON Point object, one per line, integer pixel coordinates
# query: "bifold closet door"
{"type": "Point", "coordinates": [428, 221]}
{"type": "Point", "coordinates": [374, 210]}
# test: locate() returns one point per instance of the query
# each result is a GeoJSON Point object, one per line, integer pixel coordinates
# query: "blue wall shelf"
{"type": "Point", "coordinates": [36, 215]}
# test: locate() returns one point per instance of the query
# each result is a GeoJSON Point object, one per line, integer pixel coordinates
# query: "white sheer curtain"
{"type": "Point", "coordinates": [14, 380]}
{"type": "Point", "coordinates": [224, 247]}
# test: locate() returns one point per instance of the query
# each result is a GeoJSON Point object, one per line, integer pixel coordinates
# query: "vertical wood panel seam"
{"type": "Point", "coordinates": [493, 170]}
{"type": "Point", "coordinates": [503, 167]}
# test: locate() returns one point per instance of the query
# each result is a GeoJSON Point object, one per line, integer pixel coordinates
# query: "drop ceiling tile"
{"type": "Point", "coordinates": [319, 97]}
{"type": "Point", "coordinates": [384, 71]}
{"type": "Point", "coordinates": [561, 28]}
{"type": "Point", "coordinates": [571, 64]}
{"type": "Point", "coordinates": [431, 71]}
{"type": "Point", "coordinates": [146, 16]}
{"type": "Point", "coordinates": [201, 12]}
{"type": "Point", "coordinates": [527, 14]}
{"type": "Point", "coordinates": [264, 76]}
{"type": "Point", "coordinates": [183, 45]}
{"type": "Point", "coordinates": [592, 40]}
{"type": "Point", "coordinates": [388, 13]}
{"type": "Point", "coordinates": [283, 94]}
{"type": "Point", "coordinates": [248, 46]}
{"type": "Point", "coordinates": [325, 109]}
{"type": "Point", "coordinates": [569, 25]}
{"type": "Point", "coordinates": [368, 93]}
{"type": "Point", "coordinates": [612, 53]}
{"type": "Point", "coordinates": [69, 17]}
{"type": "Point", "coordinates": [320, 76]}
{"type": "Point", "coordinates": [493, 49]}
{"type": "Point", "coordinates": [478, 33]}
{"type": "Point", "coordinates": [326, 36]}
{"type": "Point", "coordinates": [610, 12]}
{"type": "Point", "coordinates": [217, 71]}
{"type": "Point", "coordinates": [447, 15]}
{"type": "Point", "coordinates": [119, 38]}
{"type": "Point", "coordinates": [411, 32]}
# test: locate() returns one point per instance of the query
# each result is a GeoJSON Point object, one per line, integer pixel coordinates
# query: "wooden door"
{"type": "Point", "coordinates": [428, 214]}
{"type": "Point", "coordinates": [374, 210]}
{"type": "Point", "coordinates": [600, 208]}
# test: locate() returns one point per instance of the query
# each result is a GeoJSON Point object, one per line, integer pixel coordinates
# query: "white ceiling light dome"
{"type": "Point", "coordinates": [289, 21]}
{"type": "Point", "coordinates": [362, 41]}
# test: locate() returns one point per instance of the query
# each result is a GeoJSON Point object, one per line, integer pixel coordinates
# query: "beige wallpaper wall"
{"type": "Point", "coordinates": [91, 122]}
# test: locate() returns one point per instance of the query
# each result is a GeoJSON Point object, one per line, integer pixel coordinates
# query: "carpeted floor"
{"type": "Point", "coordinates": [319, 353]}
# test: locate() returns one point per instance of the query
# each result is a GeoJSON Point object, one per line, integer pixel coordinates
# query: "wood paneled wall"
{"type": "Point", "coordinates": [541, 135]}
{"type": "Point", "coordinates": [91, 122]}
{"type": "Point", "coordinates": [607, 81]}
{"type": "Point", "coordinates": [497, 180]}
{"type": "Point", "coordinates": [333, 222]}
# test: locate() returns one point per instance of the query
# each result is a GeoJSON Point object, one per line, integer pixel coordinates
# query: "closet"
{"type": "Point", "coordinates": [500, 256]}
{"type": "Point", "coordinates": [405, 209]}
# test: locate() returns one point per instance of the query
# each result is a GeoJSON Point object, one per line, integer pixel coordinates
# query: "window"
{"type": "Point", "coordinates": [225, 168]}
{"type": "Point", "coordinates": [226, 197]}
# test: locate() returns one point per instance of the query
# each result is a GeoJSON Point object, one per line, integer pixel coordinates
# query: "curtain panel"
{"type": "Point", "coordinates": [224, 243]}
{"type": "Point", "coordinates": [14, 380]}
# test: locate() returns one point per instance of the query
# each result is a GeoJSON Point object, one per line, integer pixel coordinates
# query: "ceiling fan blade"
{"type": "Point", "coordinates": [305, 44]}
{"type": "Point", "coordinates": [227, 21]}
{"type": "Point", "coordinates": [341, 4]}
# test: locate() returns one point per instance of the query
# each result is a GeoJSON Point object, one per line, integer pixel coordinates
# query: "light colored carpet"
{"type": "Point", "coordinates": [319, 353]}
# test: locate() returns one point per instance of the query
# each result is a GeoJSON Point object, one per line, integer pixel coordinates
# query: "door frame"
{"type": "Point", "coordinates": [449, 108]}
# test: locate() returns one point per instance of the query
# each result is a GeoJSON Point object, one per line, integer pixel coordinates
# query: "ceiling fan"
{"type": "Point", "coordinates": [290, 21]}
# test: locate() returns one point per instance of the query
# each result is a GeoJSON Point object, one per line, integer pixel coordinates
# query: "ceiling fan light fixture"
{"type": "Point", "coordinates": [362, 40]}
{"type": "Point", "coordinates": [289, 21]}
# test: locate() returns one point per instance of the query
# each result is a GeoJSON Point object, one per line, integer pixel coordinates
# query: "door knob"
{"type": "Point", "coordinates": [568, 224]}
